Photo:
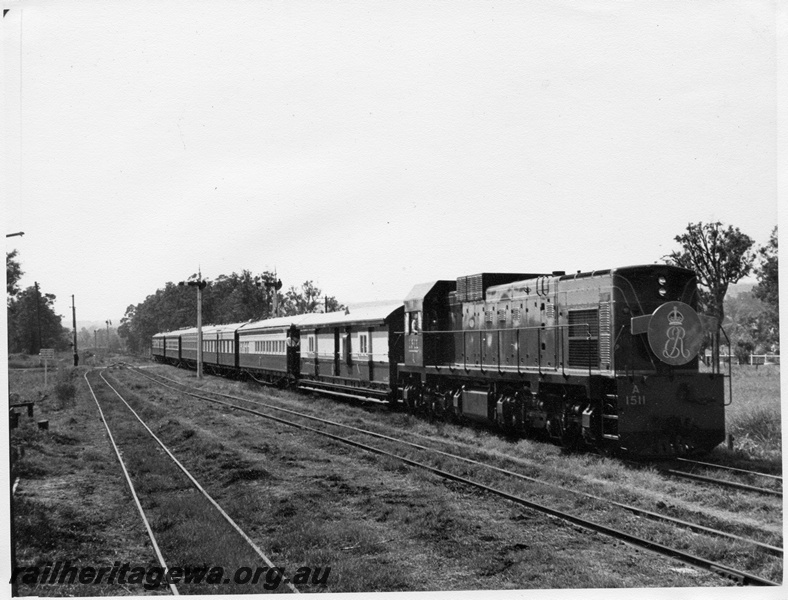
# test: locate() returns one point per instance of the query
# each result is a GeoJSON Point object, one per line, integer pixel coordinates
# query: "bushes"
{"type": "Point", "coordinates": [757, 430]}
{"type": "Point", "coordinates": [65, 388]}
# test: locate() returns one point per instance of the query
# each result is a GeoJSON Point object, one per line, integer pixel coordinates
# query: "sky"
{"type": "Point", "coordinates": [370, 146]}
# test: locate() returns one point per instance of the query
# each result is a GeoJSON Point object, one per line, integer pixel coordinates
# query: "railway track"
{"type": "Point", "coordinates": [737, 575]}
{"type": "Point", "coordinates": [728, 468]}
{"type": "Point", "coordinates": [723, 482]}
{"type": "Point", "coordinates": [233, 533]}
{"type": "Point", "coordinates": [674, 468]}
{"type": "Point", "coordinates": [748, 476]}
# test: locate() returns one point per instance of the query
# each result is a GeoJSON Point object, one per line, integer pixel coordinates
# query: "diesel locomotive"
{"type": "Point", "coordinates": [606, 359]}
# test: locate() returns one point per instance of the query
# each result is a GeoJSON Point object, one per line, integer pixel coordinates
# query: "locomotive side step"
{"type": "Point", "coordinates": [609, 436]}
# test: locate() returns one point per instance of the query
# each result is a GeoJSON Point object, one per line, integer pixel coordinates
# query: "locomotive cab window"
{"type": "Point", "coordinates": [413, 322]}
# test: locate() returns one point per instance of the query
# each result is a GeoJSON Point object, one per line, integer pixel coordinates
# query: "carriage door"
{"type": "Point", "coordinates": [337, 351]}
{"type": "Point", "coordinates": [347, 352]}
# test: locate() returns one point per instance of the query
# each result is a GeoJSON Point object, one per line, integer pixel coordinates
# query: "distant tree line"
{"type": "Point", "coordinates": [32, 321]}
{"type": "Point", "coordinates": [234, 298]}
{"type": "Point", "coordinates": [99, 338]}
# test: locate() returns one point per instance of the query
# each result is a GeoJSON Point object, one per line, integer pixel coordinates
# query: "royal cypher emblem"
{"type": "Point", "coordinates": [674, 346]}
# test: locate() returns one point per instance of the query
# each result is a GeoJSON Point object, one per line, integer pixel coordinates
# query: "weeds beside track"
{"type": "Point", "coordinates": [175, 514]}
{"type": "Point", "coordinates": [736, 574]}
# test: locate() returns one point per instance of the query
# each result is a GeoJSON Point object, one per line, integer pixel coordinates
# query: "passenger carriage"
{"type": "Point", "coordinates": [268, 349]}
{"type": "Point", "coordinates": [157, 347]}
{"type": "Point", "coordinates": [220, 345]}
{"type": "Point", "coordinates": [166, 347]}
{"type": "Point", "coordinates": [188, 338]}
{"type": "Point", "coordinates": [351, 354]}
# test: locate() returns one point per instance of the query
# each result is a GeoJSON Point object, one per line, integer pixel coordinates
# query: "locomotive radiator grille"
{"type": "Point", "coordinates": [584, 338]}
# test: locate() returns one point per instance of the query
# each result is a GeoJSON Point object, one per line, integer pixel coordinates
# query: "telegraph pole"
{"type": "Point", "coordinates": [108, 322]}
{"type": "Point", "coordinates": [200, 284]}
{"type": "Point", "coordinates": [38, 314]}
{"type": "Point", "coordinates": [74, 319]}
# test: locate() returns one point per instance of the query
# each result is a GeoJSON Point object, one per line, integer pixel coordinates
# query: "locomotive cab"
{"type": "Point", "coordinates": [426, 310]}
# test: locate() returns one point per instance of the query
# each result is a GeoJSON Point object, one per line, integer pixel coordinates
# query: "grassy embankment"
{"type": "Point", "coordinates": [753, 417]}
{"type": "Point", "coordinates": [344, 509]}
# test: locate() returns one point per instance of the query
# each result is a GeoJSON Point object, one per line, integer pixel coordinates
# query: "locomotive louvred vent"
{"type": "Point", "coordinates": [488, 316]}
{"type": "Point", "coordinates": [604, 335]}
{"type": "Point", "coordinates": [462, 289]}
{"type": "Point", "coordinates": [515, 317]}
{"type": "Point", "coordinates": [583, 338]}
{"type": "Point", "coordinates": [475, 290]}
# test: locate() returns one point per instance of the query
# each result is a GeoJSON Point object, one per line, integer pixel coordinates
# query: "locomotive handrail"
{"type": "Point", "coordinates": [518, 353]}
{"type": "Point", "coordinates": [498, 330]}
{"type": "Point", "coordinates": [730, 372]}
{"type": "Point", "coordinates": [640, 308]}
{"type": "Point", "coordinates": [623, 294]}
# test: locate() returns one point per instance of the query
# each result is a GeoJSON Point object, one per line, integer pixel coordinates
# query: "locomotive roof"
{"type": "Point", "coordinates": [504, 291]}
{"type": "Point", "coordinates": [418, 294]}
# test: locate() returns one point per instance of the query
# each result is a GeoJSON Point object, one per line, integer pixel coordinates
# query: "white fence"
{"type": "Point", "coordinates": [755, 359]}
{"type": "Point", "coordinates": [764, 359]}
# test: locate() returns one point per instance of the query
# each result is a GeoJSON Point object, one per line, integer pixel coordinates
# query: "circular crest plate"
{"type": "Point", "coordinates": [675, 333]}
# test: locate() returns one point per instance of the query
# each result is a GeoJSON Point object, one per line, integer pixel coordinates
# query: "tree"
{"type": "Point", "coordinates": [768, 291]}
{"type": "Point", "coordinates": [743, 315]}
{"type": "Point", "coordinates": [85, 337]}
{"type": "Point", "coordinates": [309, 299]}
{"type": "Point", "coordinates": [33, 323]}
{"type": "Point", "coordinates": [13, 273]}
{"type": "Point", "coordinates": [719, 256]}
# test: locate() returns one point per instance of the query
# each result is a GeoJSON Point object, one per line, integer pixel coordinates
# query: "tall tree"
{"type": "Point", "coordinates": [33, 323]}
{"type": "Point", "coordinates": [768, 291]}
{"type": "Point", "coordinates": [13, 273]}
{"type": "Point", "coordinates": [719, 256]}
